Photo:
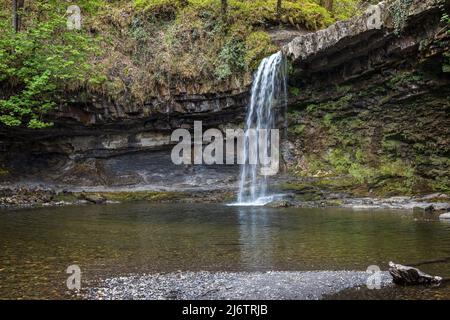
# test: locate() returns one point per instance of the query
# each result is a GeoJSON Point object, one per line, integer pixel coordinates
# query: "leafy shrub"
{"type": "Point", "coordinates": [399, 11]}
{"type": "Point", "coordinates": [39, 63]}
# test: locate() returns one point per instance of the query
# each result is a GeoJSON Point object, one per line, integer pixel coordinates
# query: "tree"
{"type": "Point", "coordinates": [327, 4]}
{"type": "Point", "coordinates": [39, 63]}
{"type": "Point", "coordinates": [15, 15]}
{"type": "Point", "coordinates": [224, 8]}
{"type": "Point", "coordinates": [279, 10]}
{"type": "Point", "coordinates": [17, 5]}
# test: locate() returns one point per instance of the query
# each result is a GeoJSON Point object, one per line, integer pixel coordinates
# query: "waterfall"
{"type": "Point", "coordinates": [268, 97]}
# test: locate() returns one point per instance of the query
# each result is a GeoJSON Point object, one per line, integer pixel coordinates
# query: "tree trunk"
{"type": "Point", "coordinates": [16, 6]}
{"type": "Point", "coordinates": [224, 8]}
{"type": "Point", "coordinates": [15, 16]}
{"type": "Point", "coordinates": [279, 10]}
{"type": "Point", "coordinates": [327, 4]}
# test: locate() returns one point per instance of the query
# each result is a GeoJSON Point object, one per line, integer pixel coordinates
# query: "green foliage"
{"type": "Point", "coordinates": [257, 45]}
{"type": "Point", "coordinates": [39, 63]}
{"type": "Point", "coordinates": [297, 129]}
{"type": "Point", "coordinates": [231, 59]}
{"type": "Point", "coordinates": [356, 165]}
{"type": "Point", "coordinates": [298, 13]}
{"type": "Point", "coordinates": [163, 7]}
{"type": "Point", "coordinates": [328, 119]}
{"type": "Point", "coordinates": [340, 160]}
{"type": "Point", "coordinates": [148, 48]}
{"type": "Point", "coordinates": [294, 91]}
{"type": "Point", "coordinates": [344, 9]}
{"type": "Point", "coordinates": [403, 79]}
{"type": "Point", "coordinates": [399, 11]}
{"type": "Point", "coordinates": [441, 184]}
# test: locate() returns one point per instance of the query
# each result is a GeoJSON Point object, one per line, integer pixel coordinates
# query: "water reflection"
{"type": "Point", "coordinates": [37, 245]}
{"type": "Point", "coordinates": [255, 237]}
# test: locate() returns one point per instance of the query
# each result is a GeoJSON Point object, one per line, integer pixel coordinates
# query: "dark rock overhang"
{"type": "Point", "coordinates": [372, 34]}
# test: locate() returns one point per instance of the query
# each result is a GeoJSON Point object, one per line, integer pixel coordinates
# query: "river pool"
{"type": "Point", "coordinates": [37, 245]}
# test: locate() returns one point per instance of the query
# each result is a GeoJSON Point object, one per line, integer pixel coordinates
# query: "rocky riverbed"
{"type": "Point", "coordinates": [229, 285]}
{"type": "Point", "coordinates": [39, 196]}
{"type": "Point", "coordinates": [428, 203]}
{"type": "Point", "coordinates": [29, 197]}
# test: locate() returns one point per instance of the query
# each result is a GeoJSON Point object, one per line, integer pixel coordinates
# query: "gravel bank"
{"type": "Point", "coordinates": [225, 285]}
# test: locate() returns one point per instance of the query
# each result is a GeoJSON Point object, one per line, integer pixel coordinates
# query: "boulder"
{"type": "Point", "coordinates": [279, 204]}
{"type": "Point", "coordinates": [441, 206]}
{"type": "Point", "coordinates": [93, 198]}
{"type": "Point", "coordinates": [404, 275]}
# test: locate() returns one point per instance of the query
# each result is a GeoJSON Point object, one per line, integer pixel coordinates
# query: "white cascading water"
{"type": "Point", "coordinates": [268, 97]}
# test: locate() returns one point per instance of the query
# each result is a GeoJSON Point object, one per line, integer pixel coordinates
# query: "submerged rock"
{"type": "Point", "coordinates": [445, 216]}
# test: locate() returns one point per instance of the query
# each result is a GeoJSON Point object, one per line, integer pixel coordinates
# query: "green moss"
{"type": "Point", "coordinates": [294, 91]}
{"type": "Point", "coordinates": [343, 89]}
{"type": "Point", "coordinates": [338, 183]}
{"type": "Point", "coordinates": [258, 45]}
{"type": "Point", "coordinates": [345, 9]}
{"type": "Point", "coordinates": [399, 10]}
{"type": "Point", "coordinates": [340, 160]}
{"type": "Point", "coordinates": [3, 172]}
{"type": "Point", "coordinates": [297, 129]}
{"type": "Point", "coordinates": [305, 13]}
{"type": "Point", "coordinates": [390, 146]}
{"type": "Point", "coordinates": [328, 119]}
{"type": "Point", "coordinates": [154, 196]}
{"type": "Point", "coordinates": [299, 186]}
{"type": "Point", "coordinates": [311, 108]}
{"type": "Point", "coordinates": [334, 203]}
{"type": "Point", "coordinates": [308, 197]}
{"type": "Point", "coordinates": [159, 7]}
{"type": "Point", "coordinates": [404, 78]}
{"type": "Point", "coordinates": [441, 184]}
{"type": "Point", "coordinates": [66, 197]}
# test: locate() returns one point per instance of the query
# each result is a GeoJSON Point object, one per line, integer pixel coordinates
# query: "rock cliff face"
{"type": "Point", "coordinates": [103, 144]}
{"type": "Point", "coordinates": [373, 101]}
{"type": "Point", "coordinates": [363, 94]}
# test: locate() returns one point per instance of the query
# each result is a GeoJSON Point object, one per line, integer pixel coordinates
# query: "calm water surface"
{"type": "Point", "coordinates": [37, 245]}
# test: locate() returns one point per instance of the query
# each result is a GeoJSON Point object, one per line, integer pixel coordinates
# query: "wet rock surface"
{"type": "Point", "coordinates": [30, 197]}
{"type": "Point", "coordinates": [428, 203]}
{"type": "Point", "coordinates": [225, 285]}
{"type": "Point", "coordinates": [405, 275]}
{"type": "Point", "coordinates": [406, 203]}
{"type": "Point", "coordinates": [21, 197]}
{"type": "Point", "coordinates": [445, 216]}
{"type": "Point", "coordinates": [93, 198]}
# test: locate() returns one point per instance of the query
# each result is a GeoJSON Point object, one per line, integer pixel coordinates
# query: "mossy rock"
{"type": "Point", "coordinates": [125, 196]}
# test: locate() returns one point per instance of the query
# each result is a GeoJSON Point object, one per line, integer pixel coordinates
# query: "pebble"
{"type": "Point", "coordinates": [228, 285]}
